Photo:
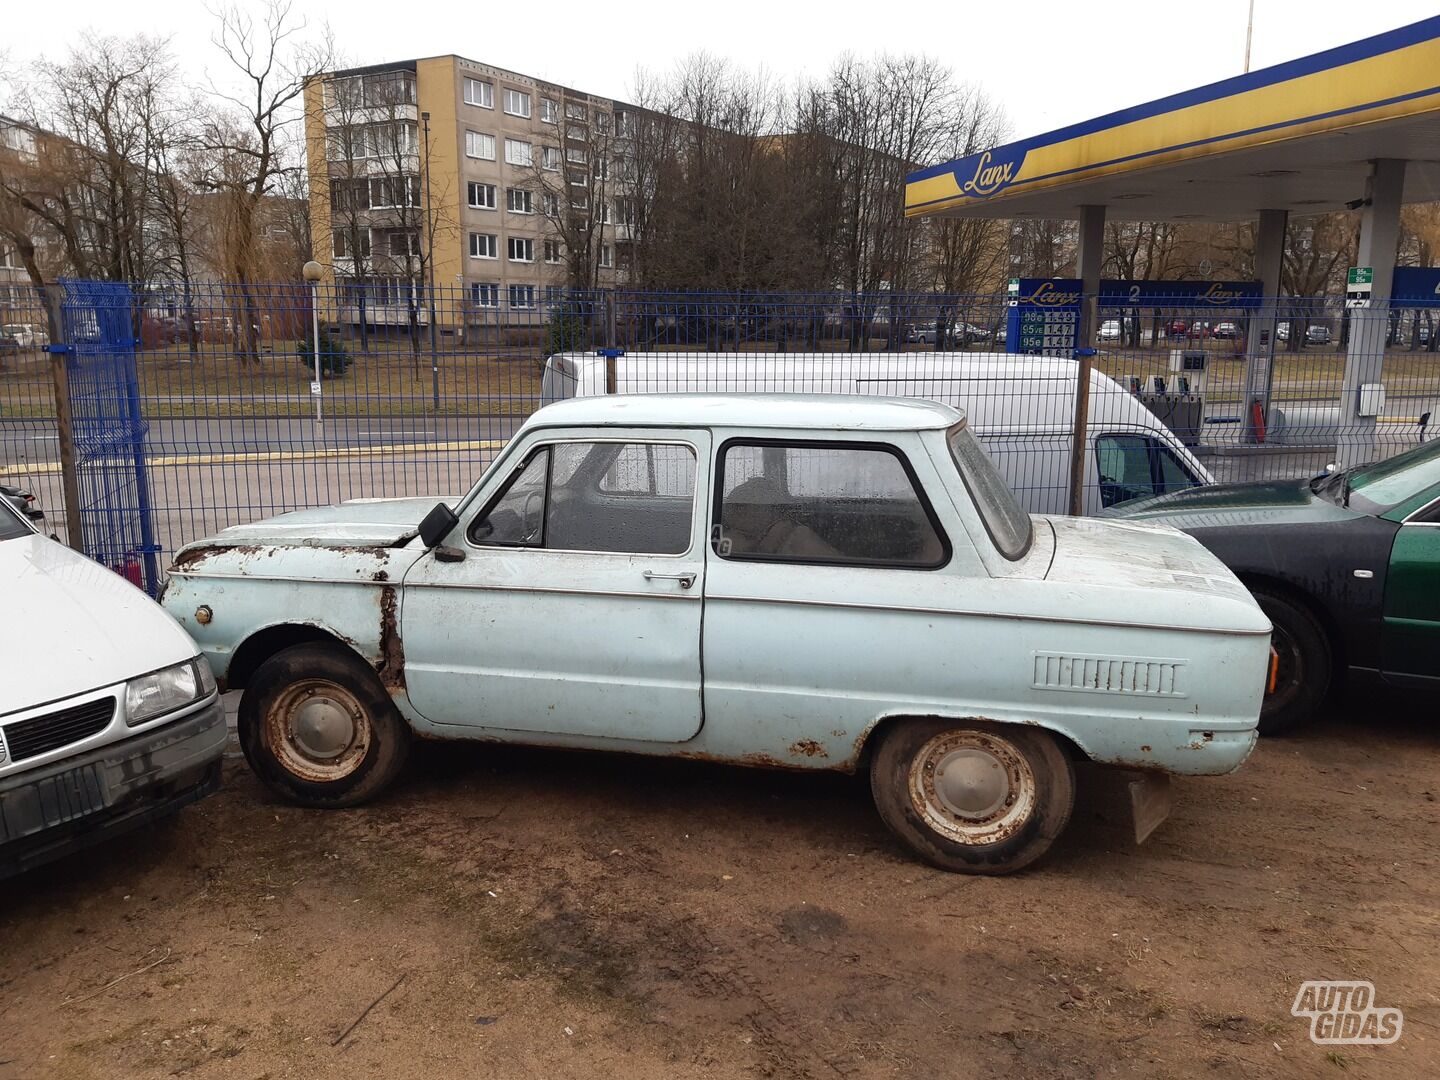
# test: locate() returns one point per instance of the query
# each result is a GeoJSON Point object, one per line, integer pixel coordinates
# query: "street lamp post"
{"type": "Point", "coordinates": [430, 267]}
{"type": "Point", "coordinates": [313, 272]}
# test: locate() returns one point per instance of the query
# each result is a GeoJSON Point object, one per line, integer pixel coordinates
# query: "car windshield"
{"type": "Point", "coordinates": [1008, 525]}
{"type": "Point", "coordinates": [12, 525]}
{"type": "Point", "coordinates": [1378, 488]}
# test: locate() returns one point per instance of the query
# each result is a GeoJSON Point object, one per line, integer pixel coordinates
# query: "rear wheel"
{"type": "Point", "coordinates": [1303, 664]}
{"type": "Point", "coordinates": [972, 796]}
{"type": "Point", "coordinates": [318, 728]}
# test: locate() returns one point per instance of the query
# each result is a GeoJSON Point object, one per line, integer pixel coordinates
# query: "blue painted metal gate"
{"type": "Point", "coordinates": [117, 521]}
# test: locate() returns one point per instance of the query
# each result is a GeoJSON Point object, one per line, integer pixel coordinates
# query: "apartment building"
{"type": "Point", "coordinates": [526, 189]}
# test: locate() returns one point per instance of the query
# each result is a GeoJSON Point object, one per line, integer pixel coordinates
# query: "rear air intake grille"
{"type": "Point", "coordinates": [41, 734]}
{"type": "Point", "coordinates": [1109, 675]}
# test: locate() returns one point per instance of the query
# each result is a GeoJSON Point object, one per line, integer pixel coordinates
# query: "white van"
{"type": "Point", "coordinates": [1022, 408]}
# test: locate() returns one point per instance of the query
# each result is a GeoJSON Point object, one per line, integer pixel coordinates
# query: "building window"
{"type": "Point", "coordinates": [480, 93]}
{"type": "Point", "coordinates": [602, 122]}
{"type": "Point", "coordinates": [482, 245]}
{"type": "Point", "coordinates": [522, 296]}
{"type": "Point", "coordinates": [484, 294]}
{"type": "Point", "coordinates": [518, 201]}
{"type": "Point", "coordinates": [550, 158]}
{"type": "Point", "coordinates": [394, 192]}
{"type": "Point", "coordinates": [576, 132]}
{"type": "Point", "coordinates": [517, 152]}
{"type": "Point", "coordinates": [482, 196]}
{"type": "Point", "coordinates": [579, 201]}
{"type": "Point", "coordinates": [517, 103]}
{"type": "Point", "coordinates": [342, 243]}
{"type": "Point", "coordinates": [552, 251]}
{"type": "Point", "coordinates": [575, 110]}
{"type": "Point", "coordinates": [602, 212]}
{"type": "Point", "coordinates": [607, 256]}
{"type": "Point", "coordinates": [521, 249]}
{"type": "Point", "coordinates": [404, 243]}
{"type": "Point", "coordinates": [391, 88]}
{"type": "Point", "coordinates": [548, 113]}
{"type": "Point", "coordinates": [575, 155]}
{"type": "Point", "coordinates": [626, 210]}
{"type": "Point", "coordinates": [479, 145]}
{"type": "Point", "coordinates": [400, 139]}
{"type": "Point", "coordinates": [551, 204]}
{"type": "Point", "coordinates": [554, 294]}
{"type": "Point", "coordinates": [349, 194]}
{"type": "Point", "coordinates": [622, 122]}
{"type": "Point", "coordinates": [602, 168]}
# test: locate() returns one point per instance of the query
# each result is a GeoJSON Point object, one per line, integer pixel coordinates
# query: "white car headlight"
{"type": "Point", "coordinates": [168, 689]}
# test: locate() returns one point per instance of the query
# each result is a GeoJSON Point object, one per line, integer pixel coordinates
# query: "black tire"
{"type": "Point", "coordinates": [319, 729]}
{"type": "Point", "coordinates": [1028, 807]}
{"type": "Point", "coordinates": [1304, 665]}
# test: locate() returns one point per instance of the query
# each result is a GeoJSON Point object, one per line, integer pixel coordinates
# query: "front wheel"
{"type": "Point", "coordinates": [972, 796]}
{"type": "Point", "coordinates": [318, 728]}
{"type": "Point", "coordinates": [1302, 664]}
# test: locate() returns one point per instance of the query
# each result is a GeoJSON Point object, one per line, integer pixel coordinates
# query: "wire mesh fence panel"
{"type": "Point", "coordinates": [412, 394]}
{"type": "Point", "coordinates": [29, 444]}
{"type": "Point", "coordinates": [116, 519]}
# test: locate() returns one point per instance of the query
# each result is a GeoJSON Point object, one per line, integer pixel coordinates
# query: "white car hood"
{"type": "Point", "coordinates": [71, 625]}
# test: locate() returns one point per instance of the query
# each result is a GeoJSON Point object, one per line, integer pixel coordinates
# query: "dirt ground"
{"type": "Point", "coordinates": [541, 914]}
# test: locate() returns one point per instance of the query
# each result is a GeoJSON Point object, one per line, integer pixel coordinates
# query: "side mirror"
{"type": "Point", "coordinates": [438, 524]}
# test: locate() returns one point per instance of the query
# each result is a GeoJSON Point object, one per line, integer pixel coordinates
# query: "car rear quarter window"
{"type": "Point", "coordinates": [830, 503]}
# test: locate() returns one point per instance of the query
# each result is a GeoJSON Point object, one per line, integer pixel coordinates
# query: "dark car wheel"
{"type": "Point", "coordinates": [971, 796]}
{"type": "Point", "coordinates": [1303, 664]}
{"type": "Point", "coordinates": [319, 729]}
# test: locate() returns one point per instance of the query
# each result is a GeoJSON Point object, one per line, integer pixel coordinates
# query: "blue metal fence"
{"type": "Point", "coordinates": [116, 515]}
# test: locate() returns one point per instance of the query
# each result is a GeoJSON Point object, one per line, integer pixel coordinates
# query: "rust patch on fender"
{"type": "Point", "coordinates": [391, 667]}
{"type": "Point", "coordinates": [188, 560]}
{"type": "Point", "coordinates": [808, 748]}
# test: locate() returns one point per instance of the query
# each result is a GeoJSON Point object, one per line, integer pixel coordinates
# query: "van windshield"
{"type": "Point", "coordinates": [1008, 525]}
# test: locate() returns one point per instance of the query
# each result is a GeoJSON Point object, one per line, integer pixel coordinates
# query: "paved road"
{"type": "Point", "coordinates": [27, 441]}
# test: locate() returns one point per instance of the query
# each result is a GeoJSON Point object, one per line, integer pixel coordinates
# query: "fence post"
{"type": "Point", "coordinates": [611, 355]}
{"type": "Point", "coordinates": [60, 348]}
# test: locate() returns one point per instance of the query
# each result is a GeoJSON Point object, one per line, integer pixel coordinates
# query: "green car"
{"type": "Point", "coordinates": [1347, 567]}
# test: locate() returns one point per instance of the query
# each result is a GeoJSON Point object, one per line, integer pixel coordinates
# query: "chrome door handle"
{"type": "Point", "coordinates": [685, 580]}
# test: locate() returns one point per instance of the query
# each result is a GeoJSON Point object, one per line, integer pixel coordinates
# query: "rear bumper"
{"type": "Point", "coordinates": [83, 800]}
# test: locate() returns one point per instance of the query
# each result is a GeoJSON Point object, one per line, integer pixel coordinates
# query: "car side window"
{"type": "Point", "coordinates": [516, 518]}
{"type": "Point", "coordinates": [824, 503]}
{"type": "Point", "coordinates": [616, 497]}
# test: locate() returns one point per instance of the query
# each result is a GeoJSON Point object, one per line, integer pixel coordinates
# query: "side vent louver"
{"type": "Point", "coordinates": [1109, 674]}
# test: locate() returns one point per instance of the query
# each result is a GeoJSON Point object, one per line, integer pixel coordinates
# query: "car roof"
{"type": "Point", "coordinates": [814, 412]}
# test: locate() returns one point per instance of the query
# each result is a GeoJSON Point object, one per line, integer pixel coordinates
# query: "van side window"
{"type": "Point", "coordinates": [851, 503]}
{"type": "Point", "coordinates": [1136, 466]}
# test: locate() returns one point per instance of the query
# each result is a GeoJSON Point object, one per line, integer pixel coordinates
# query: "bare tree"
{"type": "Point", "coordinates": [246, 143]}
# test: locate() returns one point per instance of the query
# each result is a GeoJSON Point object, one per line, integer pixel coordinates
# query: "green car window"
{"type": "Point", "coordinates": [1374, 489]}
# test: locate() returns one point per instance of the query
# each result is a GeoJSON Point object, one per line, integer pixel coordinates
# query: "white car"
{"type": "Point", "coordinates": [109, 716]}
{"type": "Point", "coordinates": [779, 580]}
{"type": "Point", "coordinates": [24, 335]}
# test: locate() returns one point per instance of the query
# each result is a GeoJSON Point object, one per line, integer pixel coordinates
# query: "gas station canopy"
{"type": "Point", "coordinates": [1298, 137]}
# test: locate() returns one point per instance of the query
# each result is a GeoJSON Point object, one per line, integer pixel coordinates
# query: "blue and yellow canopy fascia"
{"type": "Point", "coordinates": [1395, 74]}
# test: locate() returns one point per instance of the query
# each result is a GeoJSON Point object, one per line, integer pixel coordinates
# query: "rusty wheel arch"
{"type": "Point", "coordinates": [263, 644]}
{"type": "Point", "coordinates": [868, 739]}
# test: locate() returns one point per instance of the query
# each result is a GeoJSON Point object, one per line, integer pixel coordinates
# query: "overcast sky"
{"type": "Point", "coordinates": [1049, 62]}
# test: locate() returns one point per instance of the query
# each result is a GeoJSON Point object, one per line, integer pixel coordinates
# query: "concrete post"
{"type": "Point", "coordinates": [1088, 258]}
{"type": "Point", "coordinates": [1365, 353]}
{"type": "Point", "coordinates": [1260, 350]}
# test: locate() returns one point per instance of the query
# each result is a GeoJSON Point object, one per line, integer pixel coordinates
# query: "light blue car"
{"type": "Point", "coordinates": [803, 582]}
